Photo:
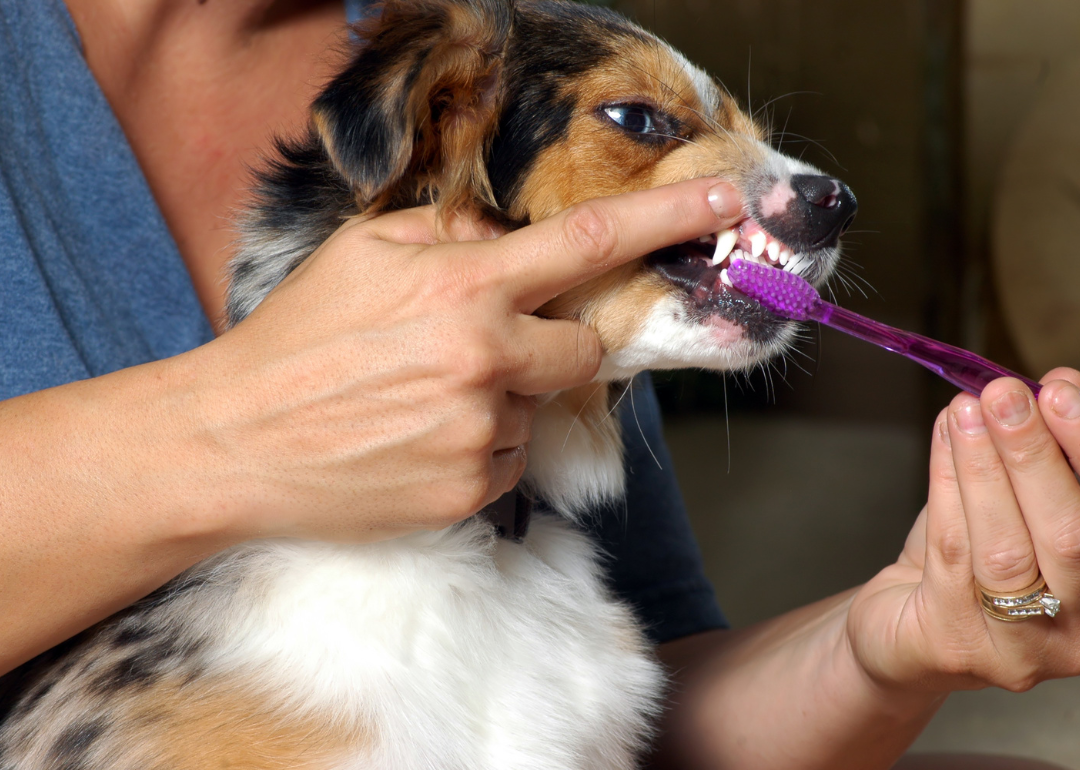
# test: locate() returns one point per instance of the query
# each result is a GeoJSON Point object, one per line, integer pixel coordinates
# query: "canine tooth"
{"type": "Point", "coordinates": [757, 243]}
{"type": "Point", "coordinates": [773, 250]}
{"type": "Point", "coordinates": [725, 242]}
{"type": "Point", "coordinates": [724, 278]}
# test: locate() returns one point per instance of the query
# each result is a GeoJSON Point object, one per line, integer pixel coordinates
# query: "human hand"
{"type": "Point", "coordinates": [1003, 506]}
{"type": "Point", "coordinates": [386, 385]}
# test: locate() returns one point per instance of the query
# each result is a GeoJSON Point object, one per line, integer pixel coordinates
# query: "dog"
{"type": "Point", "coordinates": [459, 648]}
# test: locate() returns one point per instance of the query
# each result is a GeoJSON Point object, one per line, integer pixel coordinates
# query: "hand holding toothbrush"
{"type": "Point", "coordinates": [974, 599]}
{"type": "Point", "coordinates": [1003, 514]}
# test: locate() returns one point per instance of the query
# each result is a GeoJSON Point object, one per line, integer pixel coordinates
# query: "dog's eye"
{"type": "Point", "coordinates": [633, 118]}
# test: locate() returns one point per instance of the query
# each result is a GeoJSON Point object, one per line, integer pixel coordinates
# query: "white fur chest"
{"type": "Point", "coordinates": [455, 649]}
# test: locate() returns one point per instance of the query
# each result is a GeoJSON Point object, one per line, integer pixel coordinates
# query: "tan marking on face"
{"type": "Point", "coordinates": [597, 159]}
{"type": "Point", "coordinates": [221, 725]}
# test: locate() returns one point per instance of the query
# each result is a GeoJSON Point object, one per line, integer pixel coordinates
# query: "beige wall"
{"type": "Point", "coordinates": [1022, 159]}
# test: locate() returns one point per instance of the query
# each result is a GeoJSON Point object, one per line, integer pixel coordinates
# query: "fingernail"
{"type": "Point", "coordinates": [943, 431]}
{"type": "Point", "coordinates": [1011, 409]}
{"type": "Point", "coordinates": [1066, 402]}
{"type": "Point", "coordinates": [725, 201]}
{"type": "Point", "coordinates": [969, 419]}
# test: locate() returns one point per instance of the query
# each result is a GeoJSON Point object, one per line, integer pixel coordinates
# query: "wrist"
{"type": "Point", "coordinates": [210, 498]}
{"type": "Point", "coordinates": [894, 701]}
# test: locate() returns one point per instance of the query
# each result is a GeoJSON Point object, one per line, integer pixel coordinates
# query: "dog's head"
{"type": "Point", "coordinates": [518, 109]}
{"type": "Point", "coordinates": [515, 110]}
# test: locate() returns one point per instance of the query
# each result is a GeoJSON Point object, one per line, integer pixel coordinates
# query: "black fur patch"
{"type": "Point", "coordinates": [540, 104]}
{"type": "Point", "coordinates": [70, 750]}
{"type": "Point", "coordinates": [24, 686]}
{"type": "Point", "coordinates": [145, 666]}
{"type": "Point", "coordinates": [141, 669]}
{"type": "Point", "coordinates": [130, 634]}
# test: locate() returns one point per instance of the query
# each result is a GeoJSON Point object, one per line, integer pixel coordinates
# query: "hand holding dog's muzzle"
{"type": "Point", "coordinates": [389, 381]}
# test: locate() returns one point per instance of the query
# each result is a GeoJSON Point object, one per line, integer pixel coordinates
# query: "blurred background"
{"type": "Point", "coordinates": [957, 124]}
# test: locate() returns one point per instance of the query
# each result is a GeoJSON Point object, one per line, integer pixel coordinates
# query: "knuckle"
{"type": "Point", "coordinates": [1006, 562]}
{"type": "Point", "coordinates": [1066, 540]}
{"type": "Point", "coordinates": [954, 547]}
{"type": "Point", "coordinates": [980, 467]}
{"type": "Point", "coordinates": [476, 363]}
{"type": "Point", "coordinates": [591, 233]}
{"type": "Point", "coordinates": [943, 472]}
{"type": "Point", "coordinates": [1032, 455]}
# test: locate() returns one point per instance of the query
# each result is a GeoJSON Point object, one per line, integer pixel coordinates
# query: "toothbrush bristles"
{"type": "Point", "coordinates": [779, 291]}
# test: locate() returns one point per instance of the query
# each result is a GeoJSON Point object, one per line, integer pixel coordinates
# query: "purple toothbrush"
{"type": "Point", "coordinates": [790, 296]}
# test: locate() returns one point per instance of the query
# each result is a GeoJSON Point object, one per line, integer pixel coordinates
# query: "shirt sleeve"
{"type": "Point", "coordinates": [654, 562]}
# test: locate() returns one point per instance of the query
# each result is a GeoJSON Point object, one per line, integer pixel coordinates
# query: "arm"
{"type": "Point", "coordinates": [401, 403]}
{"type": "Point", "coordinates": [785, 693]}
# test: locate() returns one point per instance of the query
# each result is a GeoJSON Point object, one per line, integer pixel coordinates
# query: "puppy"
{"type": "Point", "coordinates": [459, 648]}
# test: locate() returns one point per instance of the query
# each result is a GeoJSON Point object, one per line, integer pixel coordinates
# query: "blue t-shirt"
{"type": "Point", "coordinates": [91, 281]}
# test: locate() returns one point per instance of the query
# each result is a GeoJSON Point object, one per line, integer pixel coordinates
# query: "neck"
{"type": "Point", "coordinates": [200, 87]}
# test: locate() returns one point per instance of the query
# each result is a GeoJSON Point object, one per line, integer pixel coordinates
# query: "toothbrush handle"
{"type": "Point", "coordinates": [961, 367]}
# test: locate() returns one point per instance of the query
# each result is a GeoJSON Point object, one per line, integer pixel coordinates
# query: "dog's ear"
{"type": "Point", "coordinates": [412, 116]}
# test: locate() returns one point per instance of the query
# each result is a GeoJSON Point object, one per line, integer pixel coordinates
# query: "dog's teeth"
{"type": "Point", "coordinates": [785, 257]}
{"type": "Point", "coordinates": [724, 279]}
{"type": "Point", "coordinates": [725, 242]}
{"type": "Point", "coordinates": [705, 239]}
{"type": "Point", "coordinates": [773, 250]}
{"type": "Point", "coordinates": [757, 243]}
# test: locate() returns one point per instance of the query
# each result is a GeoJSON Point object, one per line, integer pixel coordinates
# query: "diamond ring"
{"type": "Point", "coordinates": [1033, 601]}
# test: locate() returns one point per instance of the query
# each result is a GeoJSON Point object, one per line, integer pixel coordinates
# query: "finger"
{"type": "Point", "coordinates": [948, 575]}
{"type": "Point", "coordinates": [541, 261]}
{"type": "Point", "coordinates": [551, 355]}
{"type": "Point", "coordinates": [1062, 373]}
{"type": "Point", "coordinates": [1002, 551]}
{"type": "Point", "coordinates": [1059, 405]}
{"type": "Point", "coordinates": [514, 422]}
{"type": "Point", "coordinates": [507, 466]}
{"type": "Point", "coordinates": [1043, 483]}
{"type": "Point", "coordinates": [423, 225]}
{"type": "Point", "coordinates": [468, 225]}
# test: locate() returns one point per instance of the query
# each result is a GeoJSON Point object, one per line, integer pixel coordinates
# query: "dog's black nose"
{"type": "Point", "coordinates": [826, 207]}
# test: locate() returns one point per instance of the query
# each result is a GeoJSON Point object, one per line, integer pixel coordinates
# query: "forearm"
{"type": "Point", "coordinates": [104, 495]}
{"type": "Point", "coordinates": [787, 693]}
